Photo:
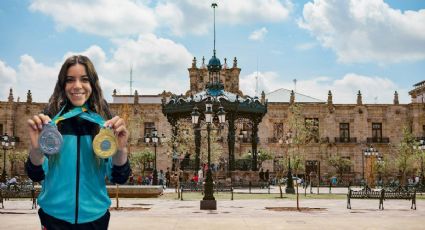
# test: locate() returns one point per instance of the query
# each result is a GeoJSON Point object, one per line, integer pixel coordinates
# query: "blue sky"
{"type": "Point", "coordinates": [375, 46]}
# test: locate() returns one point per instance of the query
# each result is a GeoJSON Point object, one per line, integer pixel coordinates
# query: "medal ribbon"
{"type": "Point", "coordinates": [82, 112]}
{"type": "Point", "coordinates": [72, 113]}
{"type": "Point", "coordinates": [93, 117]}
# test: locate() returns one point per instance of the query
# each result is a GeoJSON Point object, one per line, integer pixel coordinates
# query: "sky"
{"type": "Point", "coordinates": [375, 46]}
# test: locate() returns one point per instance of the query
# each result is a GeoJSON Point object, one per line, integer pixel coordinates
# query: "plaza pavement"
{"type": "Point", "coordinates": [242, 214]}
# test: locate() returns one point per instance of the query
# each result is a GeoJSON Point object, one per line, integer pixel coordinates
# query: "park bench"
{"type": "Point", "coordinates": [19, 190]}
{"type": "Point", "coordinates": [381, 195]}
{"type": "Point", "coordinates": [250, 185]}
{"type": "Point", "coordinates": [196, 187]}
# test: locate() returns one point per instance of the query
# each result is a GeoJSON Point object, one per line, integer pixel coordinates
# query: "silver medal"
{"type": "Point", "coordinates": [50, 140]}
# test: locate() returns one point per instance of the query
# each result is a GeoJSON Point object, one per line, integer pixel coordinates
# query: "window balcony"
{"type": "Point", "coordinates": [345, 139]}
{"type": "Point", "coordinates": [384, 140]}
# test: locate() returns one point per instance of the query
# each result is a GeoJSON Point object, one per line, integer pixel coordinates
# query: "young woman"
{"type": "Point", "coordinates": [74, 192]}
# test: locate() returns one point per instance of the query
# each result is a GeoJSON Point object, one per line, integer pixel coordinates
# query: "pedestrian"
{"type": "Point", "coordinates": [261, 175]}
{"type": "Point", "coordinates": [68, 159]}
{"type": "Point", "coordinates": [267, 176]}
{"type": "Point", "coordinates": [161, 177]}
{"type": "Point", "coordinates": [200, 176]}
{"type": "Point", "coordinates": [167, 177]}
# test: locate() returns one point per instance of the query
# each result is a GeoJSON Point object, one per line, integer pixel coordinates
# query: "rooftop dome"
{"type": "Point", "coordinates": [214, 64]}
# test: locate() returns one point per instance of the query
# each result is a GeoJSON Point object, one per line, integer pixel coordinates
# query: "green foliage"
{"type": "Point", "coordinates": [405, 158]}
{"type": "Point", "coordinates": [140, 158]}
{"type": "Point", "coordinates": [297, 163]}
{"type": "Point", "coordinates": [303, 131]}
{"type": "Point", "coordinates": [16, 157]}
{"type": "Point", "coordinates": [263, 155]}
{"type": "Point", "coordinates": [339, 163]}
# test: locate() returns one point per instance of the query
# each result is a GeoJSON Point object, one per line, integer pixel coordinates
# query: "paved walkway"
{"type": "Point", "coordinates": [242, 214]}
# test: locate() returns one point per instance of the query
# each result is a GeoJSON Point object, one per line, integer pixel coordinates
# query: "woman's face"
{"type": "Point", "coordinates": [77, 85]}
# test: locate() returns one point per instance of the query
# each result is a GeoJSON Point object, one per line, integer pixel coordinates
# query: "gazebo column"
{"type": "Point", "coordinates": [254, 143]}
{"type": "Point", "coordinates": [174, 130]}
{"type": "Point", "coordinates": [231, 141]}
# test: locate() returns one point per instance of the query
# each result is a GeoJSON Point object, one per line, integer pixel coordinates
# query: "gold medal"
{"type": "Point", "coordinates": [104, 143]}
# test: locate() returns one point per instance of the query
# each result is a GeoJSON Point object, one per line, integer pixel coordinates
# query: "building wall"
{"type": "Point", "coordinates": [13, 117]}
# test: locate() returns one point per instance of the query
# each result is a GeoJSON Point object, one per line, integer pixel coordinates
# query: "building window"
{"type": "Point", "coordinates": [344, 132]}
{"type": "Point", "coordinates": [312, 126]}
{"type": "Point", "coordinates": [277, 131]}
{"type": "Point", "coordinates": [1, 129]}
{"type": "Point", "coordinates": [377, 131]}
{"type": "Point", "coordinates": [423, 131]}
{"type": "Point", "coordinates": [149, 127]}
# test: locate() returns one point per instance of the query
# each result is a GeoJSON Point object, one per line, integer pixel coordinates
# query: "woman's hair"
{"type": "Point", "coordinates": [96, 102]}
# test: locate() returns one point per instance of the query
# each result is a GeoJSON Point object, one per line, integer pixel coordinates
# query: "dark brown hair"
{"type": "Point", "coordinates": [96, 102]}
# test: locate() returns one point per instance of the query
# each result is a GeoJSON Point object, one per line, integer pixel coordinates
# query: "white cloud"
{"type": "Point", "coordinates": [344, 89]}
{"type": "Point", "coordinates": [366, 30]}
{"type": "Point", "coordinates": [7, 79]}
{"type": "Point", "coordinates": [36, 77]}
{"type": "Point", "coordinates": [305, 46]}
{"type": "Point", "coordinates": [101, 17]}
{"type": "Point", "coordinates": [113, 18]}
{"type": "Point", "coordinates": [158, 64]}
{"type": "Point", "coordinates": [267, 81]}
{"type": "Point", "coordinates": [258, 35]}
{"type": "Point", "coordinates": [245, 11]}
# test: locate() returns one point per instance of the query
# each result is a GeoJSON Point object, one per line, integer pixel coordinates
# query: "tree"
{"type": "Point", "coordinates": [406, 154]}
{"type": "Point", "coordinates": [302, 132]}
{"type": "Point", "coordinates": [15, 157]}
{"type": "Point", "coordinates": [340, 164]}
{"type": "Point", "coordinates": [263, 155]}
{"type": "Point", "coordinates": [140, 159]}
{"type": "Point", "coordinates": [384, 167]}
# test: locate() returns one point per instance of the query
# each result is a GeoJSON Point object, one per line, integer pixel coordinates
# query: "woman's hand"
{"type": "Point", "coordinates": [35, 125]}
{"type": "Point", "coordinates": [122, 134]}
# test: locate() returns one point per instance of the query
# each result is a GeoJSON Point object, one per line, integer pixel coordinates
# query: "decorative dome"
{"type": "Point", "coordinates": [214, 64]}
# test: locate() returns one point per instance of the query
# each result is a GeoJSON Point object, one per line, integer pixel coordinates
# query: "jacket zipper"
{"type": "Point", "coordinates": [78, 179]}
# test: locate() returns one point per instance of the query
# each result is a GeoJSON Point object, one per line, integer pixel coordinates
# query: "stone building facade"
{"type": "Point", "coordinates": [344, 129]}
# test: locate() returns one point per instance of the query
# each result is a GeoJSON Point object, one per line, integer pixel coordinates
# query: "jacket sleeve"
{"type": "Point", "coordinates": [35, 173]}
{"type": "Point", "coordinates": [121, 173]}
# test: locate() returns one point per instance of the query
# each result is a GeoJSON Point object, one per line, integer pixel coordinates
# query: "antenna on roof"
{"type": "Point", "coordinates": [131, 78]}
{"type": "Point", "coordinates": [295, 85]}
{"type": "Point", "coordinates": [256, 80]}
{"type": "Point", "coordinates": [214, 5]}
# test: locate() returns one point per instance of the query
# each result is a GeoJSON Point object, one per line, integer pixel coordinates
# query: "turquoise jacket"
{"type": "Point", "coordinates": [74, 186]}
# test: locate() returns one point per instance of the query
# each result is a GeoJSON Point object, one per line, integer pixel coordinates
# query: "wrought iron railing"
{"type": "Point", "coordinates": [378, 140]}
{"type": "Point", "coordinates": [345, 139]}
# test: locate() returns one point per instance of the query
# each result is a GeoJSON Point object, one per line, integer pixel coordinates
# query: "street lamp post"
{"type": "Point", "coordinates": [155, 139]}
{"type": "Point", "coordinates": [289, 182]}
{"type": "Point", "coordinates": [7, 142]}
{"type": "Point", "coordinates": [421, 147]}
{"type": "Point", "coordinates": [368, 152]}
{"type": "Point", "coordinates": [208, 202]}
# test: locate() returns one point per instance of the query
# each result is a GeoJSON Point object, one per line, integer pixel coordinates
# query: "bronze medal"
{"type": "Point", "coordinates": [104, 143]}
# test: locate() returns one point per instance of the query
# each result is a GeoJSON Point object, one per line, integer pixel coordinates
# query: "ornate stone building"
{"type": "Point", "coordinates": [343, 129]}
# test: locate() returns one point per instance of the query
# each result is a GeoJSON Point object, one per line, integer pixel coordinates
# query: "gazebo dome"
{"type": "Point", "coordinates": [214, 64]}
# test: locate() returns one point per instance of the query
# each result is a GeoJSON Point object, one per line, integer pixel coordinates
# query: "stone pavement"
{"type": "Point", "coordinates": [242, 214]}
